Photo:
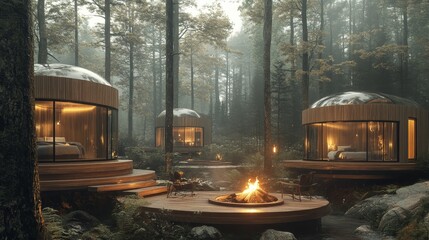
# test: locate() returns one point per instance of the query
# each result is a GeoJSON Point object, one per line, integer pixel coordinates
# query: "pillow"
{"type": "Point", "coordinates": [344, 148]}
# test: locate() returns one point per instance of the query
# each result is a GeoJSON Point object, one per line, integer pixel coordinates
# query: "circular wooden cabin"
{"type": "Point", "coordinates": [364, 132]}
{"type": "Point", "coordinates": [361, 126]}
{"type": "Point", "coordinates": [76, 111]}
{"type": "Point", "coordinates": [191, 130]}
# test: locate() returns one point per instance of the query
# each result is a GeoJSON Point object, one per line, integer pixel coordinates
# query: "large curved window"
{"type": "Point", "coordinates": [352, 141]}
{"type": "Point", "coordinates": [182, 137]}
{"type": "Point", "coordinates": [69, 131]}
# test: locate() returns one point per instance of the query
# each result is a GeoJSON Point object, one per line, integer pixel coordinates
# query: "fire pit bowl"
{"type": "Point", "coordinates": [252, 196]}
{"type": "Point", "coordinates": [222, 200]}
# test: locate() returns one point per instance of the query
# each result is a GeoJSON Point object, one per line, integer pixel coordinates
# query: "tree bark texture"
{"type": "Point", "coordinates": [226, 113]}
{"type": "Point", "coordinates": [42, 57]}
{"type": "Point", "coordinates": [176, 52]}
{"type": "Point", "coordinates": [404, 62]}
{"type": "Point", "coordinates": [154, 77]}
{"type": "Point", "coordinates": [107, 40]}
{"type": "Point", "coordinates": [192, 80]}
{"type": "Point", "coordinates": [131, 94]}
{"type": "Point", "coordinates": [305, 61]}
{"type": "Point", "coordinates": [20, 207]}
{"type": "Point", "coordinates": [169, 87]}
{"type": "Point", "coordinates": [76, 35]}
{"type": "Point", "coordinates": [217, 100]}
{"type": "Point", "coordinates": [268, 4]}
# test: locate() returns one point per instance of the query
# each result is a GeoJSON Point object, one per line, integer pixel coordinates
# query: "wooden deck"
{"type": "Point", "coordinates": [352, 170]}
{"type": "Point", "coordinates": [98, 176]}
{"type": "Point", "coordinates": [197, 209]}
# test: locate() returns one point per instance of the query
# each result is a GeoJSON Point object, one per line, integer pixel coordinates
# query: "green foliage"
{"type": "Point", "coordinates": [231, 150]}
{"type": "Point", "coordinates": [144, 159]}
{"type": "Point", "coordinates": [133, 223]}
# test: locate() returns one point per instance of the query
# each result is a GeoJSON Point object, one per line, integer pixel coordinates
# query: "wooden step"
{"type": "Point", "coordinates": [122, 186]}
{"type": "Point", "coordinates": [83, 183]}
{"type": "Point", "coordinates": [79, 170]}
{"type": "Point", "coordinates": [142, 192]}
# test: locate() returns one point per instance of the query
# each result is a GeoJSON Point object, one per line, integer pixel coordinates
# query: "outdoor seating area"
{"type": "Point", "coordinates": [303, 186]}
{"type": "Point", "coordinates": [197, 209]}
{"type": "Point", "coordinates": [179, 186]}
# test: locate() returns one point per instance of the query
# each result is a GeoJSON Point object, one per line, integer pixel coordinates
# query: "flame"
{"type": "Point", "coordinates": [251, 187]}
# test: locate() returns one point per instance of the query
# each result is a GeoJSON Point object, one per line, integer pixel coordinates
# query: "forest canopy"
{"type": "Point", "coordinates": [362, 45]}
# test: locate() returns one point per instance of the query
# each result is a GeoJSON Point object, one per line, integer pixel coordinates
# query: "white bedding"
{"type": "Point", "coordinates": [347, 156]}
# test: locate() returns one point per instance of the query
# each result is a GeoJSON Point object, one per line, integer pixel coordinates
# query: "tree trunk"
{"type": "Point", "coordinates": [192, 80]}
{"type": "Point", "coordinates": [154, 77]}
{"type": "Point", "coordinates": [268, 4]}
{"type": "Point", "coordinates": [131, 94]}
{"type": "Point", "coordinates": [227, 85]}
{"type": "Point", "coordinates": [169, 86]}
{"type": "Point", "coordinates": [43, 38]}
{"type": "Point", "coordinates": [292, 43]}
{"type": "Point", "coordinates": [320, 43]}
{"type": "Point", "coordinates": [305, 60]}
{"type": "Point", "coordinates": [217, 100]}
{"type": "Point", "coordinates": [160, 95]}
{"type": "Point", "coordinates": [76, 35]}
{"type": "Point", "coordinates": [176, 52]}
{"type": "Point", "coordinates": [20, 206]}
{"type": "Point", "coordinates": [107, 40]}
{"type": "Point", "coordinates": [350, 50]}
{"type": "Point", "coordinates": [404, 62]}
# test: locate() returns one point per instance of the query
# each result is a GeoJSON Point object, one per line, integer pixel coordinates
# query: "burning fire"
{"type": "Point", "coordinates": [253, 193]}
{"type": "Point", "coordinates": [251, 187]}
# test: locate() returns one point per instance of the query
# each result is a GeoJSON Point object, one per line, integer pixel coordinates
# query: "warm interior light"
{"type": "Point", "coordinates": [39, 107]}
{"type": "Point", "coordinates": [411, 138]}
{"type": "Point", "coordinates": [58, 123]}
{"type": "Point", "coordinates": [274, 149]}
{"type": "Point", "coordinates": [77, 109]}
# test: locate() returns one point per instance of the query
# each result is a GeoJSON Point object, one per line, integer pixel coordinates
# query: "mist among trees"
{"type": "Point", "coordinates": [318, 47]}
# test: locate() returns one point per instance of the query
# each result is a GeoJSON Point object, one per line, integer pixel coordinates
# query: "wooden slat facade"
{"type": "Point", "coordinates": [378, 112]}
{"type": "Point", "coordinates": [67, 89]}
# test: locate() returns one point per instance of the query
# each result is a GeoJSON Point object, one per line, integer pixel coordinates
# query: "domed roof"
{"type": "Point", "coordinates": [182, 112]}
{"type": "Point", "coordinates": [68, 71]}
{"type": "Point", "coordinates": [350, 98]}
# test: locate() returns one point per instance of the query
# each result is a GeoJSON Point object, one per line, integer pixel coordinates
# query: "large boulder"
{"type": "Point", "coordinates": [393, 220]}
{"type": "Point", "coordinates": [365, 232]}
{"type": "Point", "coordinates": [272, 234]}
{"type": "Point", "coordinates": [413, 203]}
{"type": "Point", "coordinates": [373, 208]}
{"type": "Point", "coordinates": [399, 212]}
{"type": "Point", "coordinates": [205, 233]}
{"type": "Point", "coordinates": [422, 187]}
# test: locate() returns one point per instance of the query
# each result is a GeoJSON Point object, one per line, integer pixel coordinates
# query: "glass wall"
{"type": "Point", "coordinates": [352, 141]}
{"type": "Point", "coordinates": [77, 131]}
{"type": "Point", "coordinates": [182, 137]}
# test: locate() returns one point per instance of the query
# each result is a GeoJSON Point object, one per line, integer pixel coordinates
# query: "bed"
{"type": "Point", "coordinates": [72, 150]}
{"type": "Point", "coordinates": [347, 153]}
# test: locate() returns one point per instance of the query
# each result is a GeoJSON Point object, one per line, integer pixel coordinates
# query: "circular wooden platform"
{"type": "Point", "coordinates": [197, 209]}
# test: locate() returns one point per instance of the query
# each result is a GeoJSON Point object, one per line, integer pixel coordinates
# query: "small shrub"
{"type": "Point", "coordinates": [144, 159]}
